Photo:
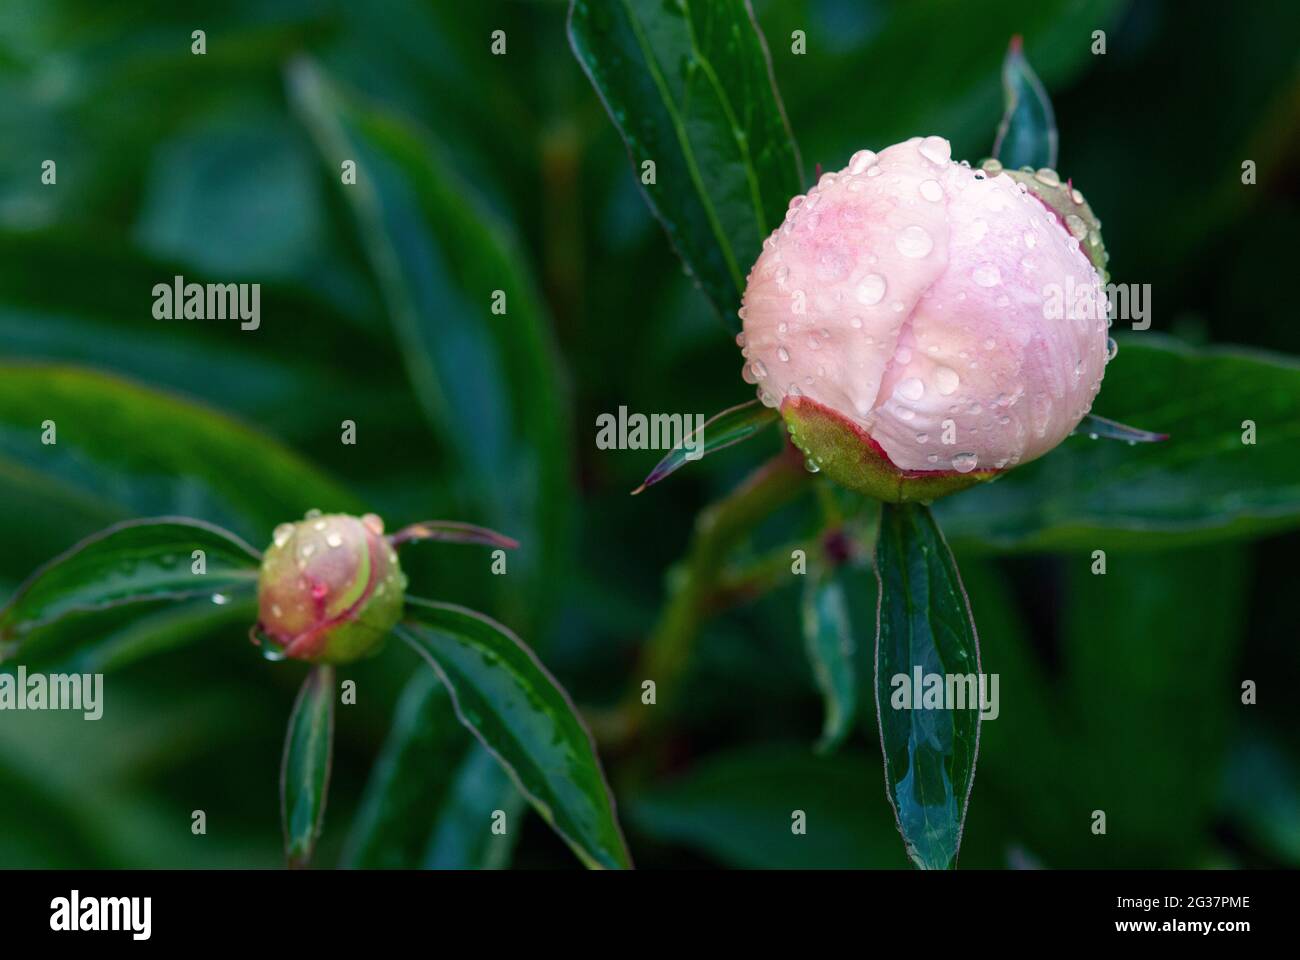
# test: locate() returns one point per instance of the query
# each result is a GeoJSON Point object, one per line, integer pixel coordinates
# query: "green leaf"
{"type": "Point", "coordinates": [1149, 649]}
{"type": "Point", "coordinates": [926, 626]}
{"type": "Point", "coordinates": [305, 769]}
{"type": "Point", "coordinates": [689, 85]}
{"type": "Point", "coordinates": [464, 837]}
{"type": "Point", "coordinates": [411, 779]}
{"type": "Point", "coordinates": [1027, 134]}
{"type": "Point", "coordinates": [830, 642]}
{"type": "Point", "coordinates": [133, 562]}
{"type": "Point", "coordinates": [738, 808]}
{"type": "Point", "coordinates": [506, 698]}
{"type": "Point", "coordinates": [720, 431]}
{"type": "Point", "coordinates": [466, 312]}
{"type": "Point", "coordinates": [1202, 485]}
{"type": "Point", "coordinates": [108, 640]}
{"type": "Point", "coordinates": [125, 451]}
{"type": "Point", "coordinates": [431, 797]}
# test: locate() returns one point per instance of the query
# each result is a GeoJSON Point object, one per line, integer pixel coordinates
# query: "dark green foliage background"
{"type": "Point", "coordinates": [1118, 693]}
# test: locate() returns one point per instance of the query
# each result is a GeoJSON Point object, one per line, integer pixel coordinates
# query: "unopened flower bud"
{"type": "Point", "coordinates": [923, 325]}
{"type": "Point", "coordinates": [331, 588]}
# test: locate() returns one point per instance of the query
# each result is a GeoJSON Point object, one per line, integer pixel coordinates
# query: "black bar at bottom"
{"type": "Point", "coordinates": [334, 909]}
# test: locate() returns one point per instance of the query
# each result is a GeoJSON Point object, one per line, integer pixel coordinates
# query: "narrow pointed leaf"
{"type": "Point", "coordinates": [132, 562]}
{"type": "Point", "coordinates": [1099, 427]}
{"type": "Point", "coordinates": [689, 86]}
{"type": "Point", "coordinates": [1027, 134]}
{"type": "Point", "coordinates": [925, 625]}
{"type": "Point", "coordinates": [451, 531]}
{"type": "Point", "coordinates": [305, 769]}
{"type": "Point", "coordinates": [504, 695]}
{"type": "Point", "coordinates": [830, 643]}
{"type": "Point", "coordinates": [722, 430]}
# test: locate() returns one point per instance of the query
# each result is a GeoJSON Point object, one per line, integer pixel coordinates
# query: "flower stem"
{"type": "Point", "coordinates": [692, 584]}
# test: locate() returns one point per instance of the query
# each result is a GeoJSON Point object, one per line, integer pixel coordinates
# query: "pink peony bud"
{"type": "Point", "coordinates": [923, 325]}
{"type": "Point", "coordinates": [331, 587]}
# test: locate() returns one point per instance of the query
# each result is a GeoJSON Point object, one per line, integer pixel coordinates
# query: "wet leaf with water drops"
{"type": "Point", "coordinates": [507, 699]}
{"type": "Point", "coordinates": [925, 632]}
{"type": "Point", "coordinates": [726, 162]}
{"type": "Point", "coordinates": [133, 562]}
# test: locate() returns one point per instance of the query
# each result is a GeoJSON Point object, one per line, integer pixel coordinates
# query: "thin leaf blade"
{"type": "Point", "coordinates": [453, 531]}
{"type": "Point", "coordinates": [720, 431]}
{"type": "Point", "coordinates": [507, 699]}
{"type": "Point", "coordinates": [925, 627]}
{"type": "Point", "coordinates": [305, 767]}
{"type": "Point", "coordinates": [1099, 427]}
{"type": "Point", "coordinates": [689, 86]}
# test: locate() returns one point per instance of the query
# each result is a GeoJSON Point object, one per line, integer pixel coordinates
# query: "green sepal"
{"type": "Point", "coordinates": [841, 450]}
